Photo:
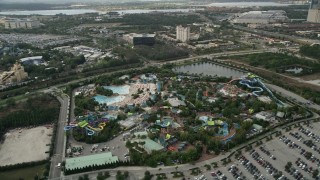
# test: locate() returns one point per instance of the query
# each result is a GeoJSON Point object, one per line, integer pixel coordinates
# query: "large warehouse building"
{"type": "Point", "coordinates": [261, 17]}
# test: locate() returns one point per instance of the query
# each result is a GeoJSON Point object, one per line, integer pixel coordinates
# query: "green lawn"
{"type": "Point", "coordinates": [25, 173]}
{"type": "Point", "coordinates": [18, 98]}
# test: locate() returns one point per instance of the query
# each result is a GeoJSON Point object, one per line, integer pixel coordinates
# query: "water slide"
{"type": "Point", "coordinates": [101, 126]}
{"type": "Point", "coordinates": [67, 128]}
{"type": "Point", "coordinates": [234, 80]}
{"type": "Point", "coordinates": [247, 83]}
{"type": "Point", "coordinates": [270, 93]}
{"type": "Point", "coordinates": [89, 131]}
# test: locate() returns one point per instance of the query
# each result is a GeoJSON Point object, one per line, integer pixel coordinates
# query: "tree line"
{"type": "Point", "coordinates": [32, 115]}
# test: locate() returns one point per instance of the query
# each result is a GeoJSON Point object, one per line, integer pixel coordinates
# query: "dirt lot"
{"type": "Point", "coordinates": [25, 145]}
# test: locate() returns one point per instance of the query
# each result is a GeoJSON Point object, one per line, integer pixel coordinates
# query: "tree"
{"type": "Point", "coordinates": [147, 175]}
{"type": "Point", "coordinates": [11, 102]}
{"type": "Point", "coordinates": [315, 173]}
{"type": "Point", "coordinates": [126, 174]}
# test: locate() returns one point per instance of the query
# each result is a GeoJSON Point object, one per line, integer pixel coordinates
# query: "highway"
{"type": "Point", "coordinates": [60, 141]}
{"type": "Point", "coordinates": [156, 63]}
{"type": "Point", "coordinates": [290, 95]}
{"type": "Point", "coordinates": [278, 35]}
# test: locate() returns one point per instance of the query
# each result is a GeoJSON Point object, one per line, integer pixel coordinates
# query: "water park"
{"type": "Point", "coordinates": [252, 82]}
{"type": "Point", "coordinates": [125, 94]}
{"type": "Point", "coordinates": [174, 112]}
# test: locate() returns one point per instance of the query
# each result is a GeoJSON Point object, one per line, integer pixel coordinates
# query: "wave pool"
{"type": "Point", "coordinates": [108, 100]}
{"type": "Point", "coordinates": [119, 89]}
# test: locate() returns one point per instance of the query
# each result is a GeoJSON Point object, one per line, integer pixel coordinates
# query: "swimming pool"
{"type": "Point", "coordinates": [119, 89]}
{"type": "Point", "coordinates": [108, 100]}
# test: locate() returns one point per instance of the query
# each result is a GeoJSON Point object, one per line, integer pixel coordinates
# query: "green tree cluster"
{"type": "Point", "coordinates": [36, 111]}
{"type": "Point", "coordinates": [103, 91]}
{"type": "Point", "coordinates": [311, 51]}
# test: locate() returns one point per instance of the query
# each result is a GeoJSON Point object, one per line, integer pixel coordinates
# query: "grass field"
{"type": "Point", "coordinates": [24, 173]}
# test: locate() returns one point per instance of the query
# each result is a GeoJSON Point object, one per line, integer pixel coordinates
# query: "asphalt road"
{"type": "Point", "coordinates": [278, 35]}
{"type": "Point", "coordinates": [59, 146]}
{"type": "Point", "coordinates": [291, 95]}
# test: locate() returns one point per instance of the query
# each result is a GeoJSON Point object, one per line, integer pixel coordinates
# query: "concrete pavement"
{"type": "Point", "coordinates": [60, 141]}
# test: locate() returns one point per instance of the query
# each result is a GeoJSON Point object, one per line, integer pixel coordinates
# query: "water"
{"type": "Point", "coordinates": [295, 70]}
{"type": "Point", "coordinates": [50, 12]}
{"type": "Point", "coordinates": [83, 11]}
{"type": "Point", "coordinates": [108, 100]}
{"type": "Point", "coordinates": [210, 69]}
{"type": "Point", "coordinates": [246, 4]}
{"type": "Point", "coordinates": [144, 11]}
{"type": "Point", "coordinates": [119, 89]}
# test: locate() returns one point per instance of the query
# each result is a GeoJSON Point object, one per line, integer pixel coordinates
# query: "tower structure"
{"type": "Point", "coordinates": [183, 33]}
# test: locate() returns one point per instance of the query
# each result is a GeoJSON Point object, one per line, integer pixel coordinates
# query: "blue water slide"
{"type": "Point", "coordinates": [247, 83]}
{"type": "Point", "coordinates": [270, 93]}
{"type": "Point", "coordinates": [89, 131]}
{"type": "Point", "coordinates": [67, 128]}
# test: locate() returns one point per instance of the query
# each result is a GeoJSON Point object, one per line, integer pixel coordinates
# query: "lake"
{"type": "Point", "coordinates": [50, 12]}
{"type": "Point", "coordinates": [210, 69]}
{"type": "Point", "coordinates": [84, 11]}
{"type": "Point", "coordinates": [144, 11]}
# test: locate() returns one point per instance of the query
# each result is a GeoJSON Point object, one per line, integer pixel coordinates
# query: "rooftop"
{"type": "Point", "coordinates": [150, 145]}
{"type": "Point", "coordinates": [95, 159]}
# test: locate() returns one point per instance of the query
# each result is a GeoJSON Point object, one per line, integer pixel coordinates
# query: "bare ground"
{"type": "Point", "coordinates": [25, 145]}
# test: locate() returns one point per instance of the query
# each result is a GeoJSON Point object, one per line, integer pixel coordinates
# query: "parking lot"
{"type": "Point", "coordinates": [300, 148]}
{"type": "Point", "coordinates": [117, 146]}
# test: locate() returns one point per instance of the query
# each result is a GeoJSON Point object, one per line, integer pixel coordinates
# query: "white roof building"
{"type": "Point", "coordinates": [261, 17]}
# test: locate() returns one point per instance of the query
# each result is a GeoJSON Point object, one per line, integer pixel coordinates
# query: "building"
{"type": "Point", "coordinates": [265, 116]}
{"type": "Point", "coordinates": [14, 23]}
{"type": "Point", "coordinates": [35, 60]}
{"type": "Point", "coordinates": [149, 145]}
{"type": "Point", "coordinates": [140, 39]}
{"type": "Point", "coordinates": [261, 17]}
{"type": "Point", "coordinates": [16, 74]}
{"type": "Point", "coordinates": [314, 12]}
{"type": "Point", "coordinates": [183, 33]}
{"type": "Point", "coordinates": [90, 160]}
{"type": "Point", "coordinates": [175, 102]}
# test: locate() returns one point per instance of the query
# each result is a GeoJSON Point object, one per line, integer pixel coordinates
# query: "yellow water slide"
{"type": "Point", "coordinates": [101, 126]}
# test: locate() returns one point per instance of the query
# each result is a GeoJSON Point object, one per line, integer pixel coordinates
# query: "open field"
{"type": "Point", "coordinates": [25, 145]}
{"type": "Point", "coordinates": [26, 173]}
